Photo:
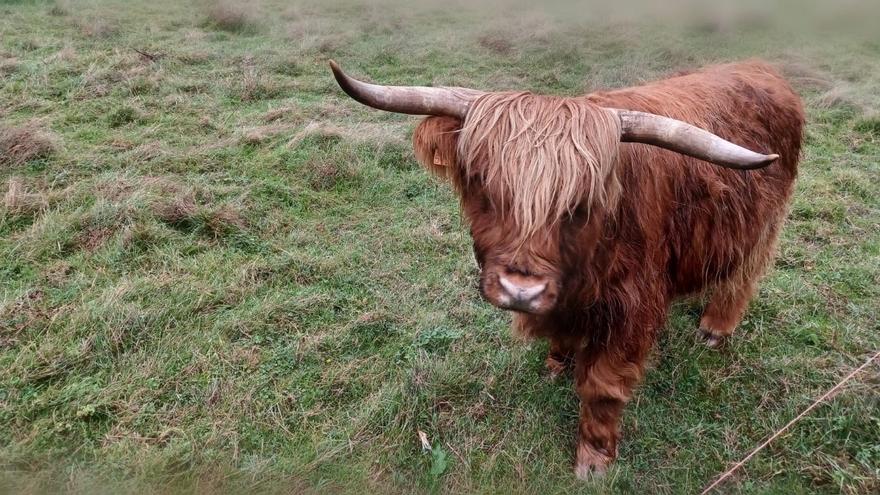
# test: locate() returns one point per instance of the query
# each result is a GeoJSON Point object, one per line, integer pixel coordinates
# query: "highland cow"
{"type": "Point", "coordinates": [590, 214]}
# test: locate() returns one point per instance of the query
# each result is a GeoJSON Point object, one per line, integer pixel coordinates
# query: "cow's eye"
{"type": "Point", "coordinates": [580, 213]}
{"type": "Point", "coordinates": [486, 205]}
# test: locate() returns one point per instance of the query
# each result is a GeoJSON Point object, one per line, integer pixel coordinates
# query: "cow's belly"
{"type": "Point", "coordinates": [713, 247]}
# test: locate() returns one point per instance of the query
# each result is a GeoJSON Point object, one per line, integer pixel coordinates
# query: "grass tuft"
{"type": "Point", "coordinates": [840, 97]}
{"type": "Point", "coordinates": [869, 125]}
{"type": "Point", "coordinates": [496, 43]}
{"type": "Point", "coordinates": [283, 113]}
{"type": "Point", "coordinates": [231, 16]}
{"type": "Point", "coordinates": [122, 116]}
{"type": "Point", "coordinates": [263, 133]}
{"type": "Point", "coordinates": [8, 65]}
{"type": "Point", "coordinates": [176, 211]}
{"type": "Point", "coordinates": [19, 145]}
{"type": "Point", "coordinates": [326, 174]}
{"type": "Point", "coordinates": [19, 201]}
{"type": "Point", "coordinates": [60, 8]}
{"type": "Point", "coordinates": [97, 27]}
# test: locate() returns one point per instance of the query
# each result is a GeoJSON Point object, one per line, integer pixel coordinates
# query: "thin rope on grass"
{"type": "Point", "coordinates": [793, 421]}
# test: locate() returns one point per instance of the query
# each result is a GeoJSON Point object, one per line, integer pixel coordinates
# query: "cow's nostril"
{"type": "Point", "coordinates": [521, 293]}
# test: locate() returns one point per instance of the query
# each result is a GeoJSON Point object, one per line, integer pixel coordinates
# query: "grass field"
{"type": "Point", "coordinates": [220, 274]}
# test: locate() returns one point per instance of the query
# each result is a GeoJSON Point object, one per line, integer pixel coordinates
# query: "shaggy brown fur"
{"type": "Point", "coordinates": [617, 231]}
{"type": "Point", "coordinates": [542, 154]}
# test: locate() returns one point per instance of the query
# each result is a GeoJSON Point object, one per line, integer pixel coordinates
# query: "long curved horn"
{"type": "Point", "coordinates": [684, 138]}
{"type": "Point", "coordinates": [636, 127]}
{"type": "Point", "coordinates": [415, 100]}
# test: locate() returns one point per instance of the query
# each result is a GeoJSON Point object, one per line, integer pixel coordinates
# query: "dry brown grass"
{"type": "Point", "coordinates": [176, 210]}
{"type": "Point", "coordinates": [374, 133]}
{"type": "Point", "coordinates": [496, 43]}
{"type": "Point", "coordinates": [123, 68]}
{"type": "Point", "coordinates": [182, 210]}
{"type": "Point", "coordinates": [119, 189]}
{"type": "Point", "coordinates": [324, 175]}
{"type": "Point", "coordinates": [19, 201]}
{"type": "Point", "coordinates": [93, 238]}
{"type": "Point", "coordinates": [254, 85]}
{"type": "Point", "coordinates": [145, 152]}
{"type": "Point", "coordinates": [226, 217]}
{"type": "Point", "coordinates": [96, 27]}
{"type": "Point", "coordinates": [283, 113]}
{"type": "Point", "coordinates": [60, 8]}
{"type": "Point", "coordinates": [8, 65]}
{"type": "Point", "coordinates": [66, 54]}
{"type": "Point", "coordinates": [318, 35]}
{"type": "Point", "coordinates": [19, 145]}
{"type": "Point", "coordinates": [841, 96]}
{"type": "Point", "coordinates": [195, 57]}
{"type": "Point", "coordinates": [826, 89]}
{"type": "Point", "coordinates": [231, 16]}
{"type": "Point", "coordinates": [806, 77]}
{"type": "Point", "coordinates": [263, 133]}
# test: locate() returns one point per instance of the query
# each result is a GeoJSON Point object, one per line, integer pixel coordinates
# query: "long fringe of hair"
{"type": "Point", "coordinates": [543, 155]}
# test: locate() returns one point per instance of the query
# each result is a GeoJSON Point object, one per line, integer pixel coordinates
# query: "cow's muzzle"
{"type": "Point", "coordinates": [519, 292]}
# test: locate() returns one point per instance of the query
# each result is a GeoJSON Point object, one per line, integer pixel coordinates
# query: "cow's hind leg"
{"type": "Point", "coordinates": [730, 298]}
{"type": "Point", "coordinates": [726, 307]}
{"type": "Point", "coordinates": [560, 358]}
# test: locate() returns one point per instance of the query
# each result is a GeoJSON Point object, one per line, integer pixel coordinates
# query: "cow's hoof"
{"type": "Point", "coordinates": [711, 339]}
{"type": "Point", "coordinates": [591, 462]}
{"type": "Point", "coordinates": [555, 366]}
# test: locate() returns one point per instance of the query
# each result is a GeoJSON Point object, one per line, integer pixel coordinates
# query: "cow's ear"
{"type": "Point", "coordinates": [435, 140]}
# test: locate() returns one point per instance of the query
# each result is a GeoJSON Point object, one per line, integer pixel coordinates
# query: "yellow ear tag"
{"type": "Point", "coordinates": [438, 160]}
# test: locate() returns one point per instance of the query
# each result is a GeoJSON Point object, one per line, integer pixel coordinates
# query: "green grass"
{"type": "Point", "coordinates": [223, 275]}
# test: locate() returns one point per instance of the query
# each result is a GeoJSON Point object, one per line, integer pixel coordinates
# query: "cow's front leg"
{"type": "Point", "coordinates": [605, 375]}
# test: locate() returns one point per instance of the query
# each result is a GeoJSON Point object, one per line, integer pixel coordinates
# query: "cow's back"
{"type": "Point", "coordinates": [713, 218]}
